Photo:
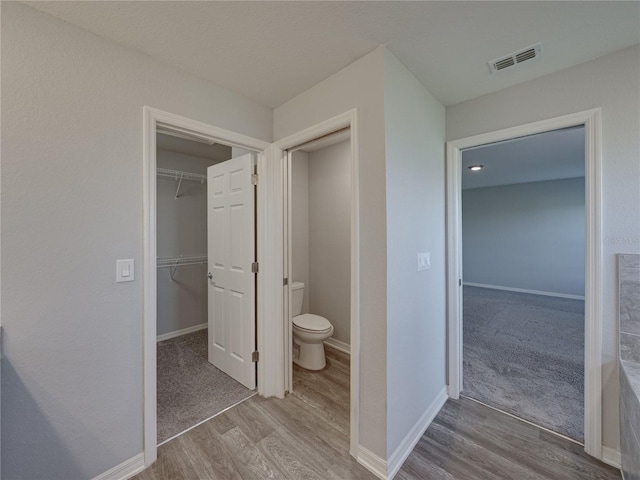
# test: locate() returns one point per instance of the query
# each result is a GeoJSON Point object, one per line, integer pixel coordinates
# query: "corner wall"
{"type": "Point", "coordinates": [71, 205]}
{"type": "Point", "coordinates": [300, 223]}
{"type": "Point", "coordinates": [330, 237]}
{"type": "Point", "coordinates": [610, 82]}
{"type": "Point", "coordinates": [360, 85]}
{"type": "Point", "coordinates": [416, 301]}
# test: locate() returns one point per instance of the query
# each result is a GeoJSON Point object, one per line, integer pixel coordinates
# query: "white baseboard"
{"type": "Point", "coordinates": [611, 457]}
{"type": "Point", "coordinates": [412, 438]}
{"type": "Point", "coordinates": [126, 469]}
{"type": "Point", "coordinates": [387, 470]}
{"type": "Point", "coordinates": [184, 331]}
{"type": "Point", "coordinates": [372, 462]}
{"type": "Point", "coordinates": [524, 290]}
{"type": "Point", "coordinates": [338, 345]}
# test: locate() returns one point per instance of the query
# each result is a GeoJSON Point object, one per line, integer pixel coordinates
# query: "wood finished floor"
{"type": "Point", "coordinates": [306, 436]}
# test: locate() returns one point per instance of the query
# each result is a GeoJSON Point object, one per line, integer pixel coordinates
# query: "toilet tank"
{"type": "Point", "coordinates": [297, 295]}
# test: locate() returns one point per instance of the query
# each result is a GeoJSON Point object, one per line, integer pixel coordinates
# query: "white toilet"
{"type": "Point", "coordinates": [309, 331]}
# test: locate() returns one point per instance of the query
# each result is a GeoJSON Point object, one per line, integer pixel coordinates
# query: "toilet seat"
{"type": "Point", "coordinates": [312, 323]}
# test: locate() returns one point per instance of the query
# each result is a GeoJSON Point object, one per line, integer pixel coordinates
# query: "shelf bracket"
{"type": "Point", "coordinates": [175, 267]}
{"type": "Point", "coordinates": [173, 270]}
{"type": "Point", "coordinates": [178, 189]}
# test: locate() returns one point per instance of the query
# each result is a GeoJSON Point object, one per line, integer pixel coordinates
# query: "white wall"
{"type": "Point", "coordinates": [300, 223]}
{"type": "Point", "coordinates": [182, 230]}
{"type": "Point", "coordinates": [71, 205]}
{"type": "Point", "coordinates": [527, 235]}
{"type": "Point", "coordinates": [360, 85]}
{"type": "Point", "coordinates": [416, 336]}
{"type": "Point", "coordinates": [330, 236]}
{"type": "Point", "coordinates": [610, 82]}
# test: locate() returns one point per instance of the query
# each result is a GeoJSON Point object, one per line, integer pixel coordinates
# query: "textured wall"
{"type": "Point", "coordinates": [330, 236]}
{"type": "Point", "coordinates": [610, 82]}
{"type": "Point", "coordinates": [71, 205]}
{"type": "Point", "coordinates": [528, 235]}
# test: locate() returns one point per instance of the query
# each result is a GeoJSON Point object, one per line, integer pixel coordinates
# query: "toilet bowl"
{"type": "Point", "coordinates": [309, 331]}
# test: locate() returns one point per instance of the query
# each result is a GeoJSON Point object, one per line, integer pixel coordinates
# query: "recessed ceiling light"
{"type": "Point", "coordinates": [476, 168]}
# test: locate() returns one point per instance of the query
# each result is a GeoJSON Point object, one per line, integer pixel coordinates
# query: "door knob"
{"type": "Point", "coordinates": [210, 276]}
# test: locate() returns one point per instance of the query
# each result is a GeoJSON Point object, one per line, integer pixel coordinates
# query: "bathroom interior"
{"type": "Point", "coordinates": [320, 272]}
{"type": "Point", "coordinates": [189, 388]}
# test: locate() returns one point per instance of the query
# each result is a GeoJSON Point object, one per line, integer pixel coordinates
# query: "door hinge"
{"type": "Point", "coordinates": [254, 179]}
{"type": "Point", "coordinates": [285, 281]}
{"type": "Point", "coordinates": [254, 267]}
{"type": "Point", "coordinates": [459, 282]}
{"type": "Point", "coordinates": [255, 356]}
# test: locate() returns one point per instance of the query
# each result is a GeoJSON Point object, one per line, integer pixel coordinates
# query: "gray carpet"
{"type": "Point", "coordinates": [524, 354]}
{"type": "Point", "coordinates": [190, 389]}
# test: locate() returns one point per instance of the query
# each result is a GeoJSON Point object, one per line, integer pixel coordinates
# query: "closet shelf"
{"type": "Point", "coordinates": [181, 261]}
{"type": "Point", "coordinates": [180, 175]}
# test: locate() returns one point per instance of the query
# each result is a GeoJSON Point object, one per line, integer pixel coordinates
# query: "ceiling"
{"type": "Point", "coordinates": [547, 156]}
{"type": "Point", "coordinates": [272, 51]}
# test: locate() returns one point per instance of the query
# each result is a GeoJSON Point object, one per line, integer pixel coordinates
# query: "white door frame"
{"type": "Point", "coordinates": [347, 119]}
{"type": "Point", "coordinates": [269, 253]}
{"type": "Point", "coordinates": [593, 259]}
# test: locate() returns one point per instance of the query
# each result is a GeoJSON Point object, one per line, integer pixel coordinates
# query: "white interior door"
{"type": "Point", "coordinates": [231, 252]}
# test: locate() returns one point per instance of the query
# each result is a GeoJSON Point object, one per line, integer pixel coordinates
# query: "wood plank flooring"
{"type": "Point", "coordinates": [468, 440]}
{"type": "Point", "coordinates": [306, 436]}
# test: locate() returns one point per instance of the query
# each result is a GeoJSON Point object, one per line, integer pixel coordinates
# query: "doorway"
{"type": "Point", "coordinates": [593, 331]}
{"type": "Point", "coordinates": [229, 261]}
{"type": "Point", "coordinates": [347, 124]}
{"type": "Point", "coordinates": [523, 224]}
{"type": "Point", "coordinates": [319, 269]}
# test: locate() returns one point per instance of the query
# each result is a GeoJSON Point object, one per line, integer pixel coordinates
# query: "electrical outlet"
{"type": "Point", "coordinates": [424, 261]}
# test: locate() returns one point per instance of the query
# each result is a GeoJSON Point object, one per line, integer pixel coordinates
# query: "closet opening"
{"type": "Point", "coordinates": [205, 283]}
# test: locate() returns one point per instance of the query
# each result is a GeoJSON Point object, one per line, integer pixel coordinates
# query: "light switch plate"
{"type": "Point", "coordinates": [124, 270]}
{"type": "Point", "coordinates": [424, 261]}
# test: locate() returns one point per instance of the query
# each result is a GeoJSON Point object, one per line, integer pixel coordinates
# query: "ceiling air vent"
{"type": "Point", "coordinates": [515, 58]}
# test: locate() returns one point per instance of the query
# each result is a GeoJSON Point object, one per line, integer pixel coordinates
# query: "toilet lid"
{"type": "Point", "coordinates": [309, 321]}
